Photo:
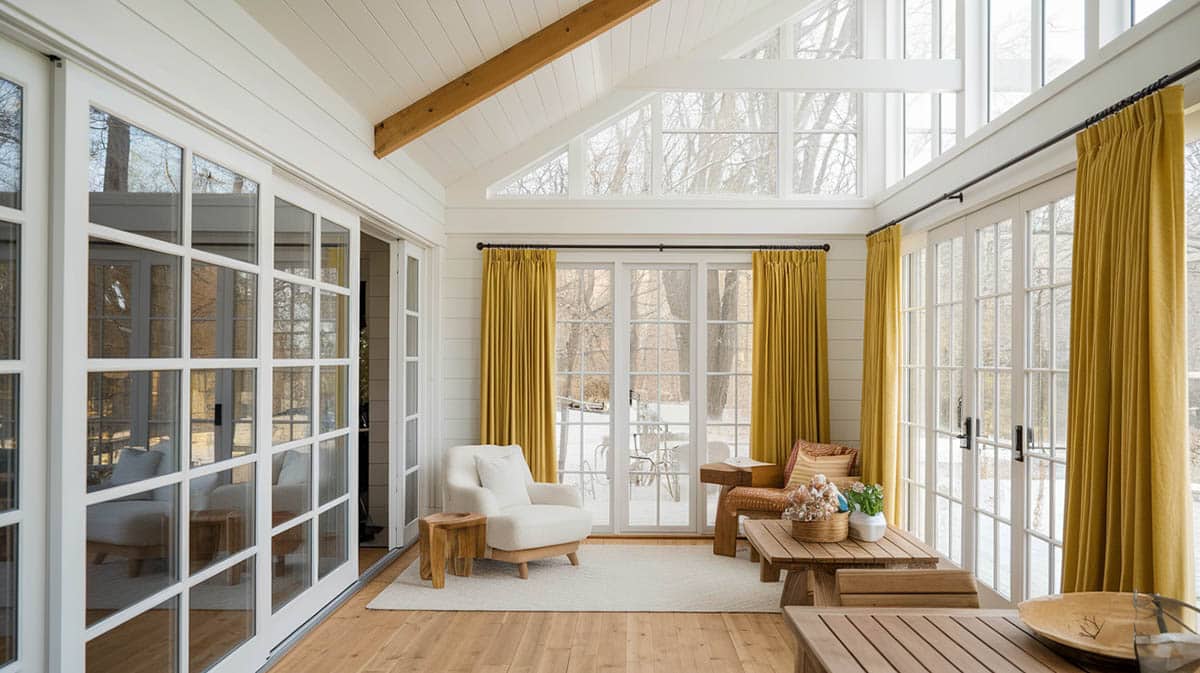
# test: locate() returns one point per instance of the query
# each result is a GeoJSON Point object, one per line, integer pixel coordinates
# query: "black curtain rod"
{"type": "Point", "coordinates": [659, 247]}
{"type": "Point", "coordinates": [957, 193]}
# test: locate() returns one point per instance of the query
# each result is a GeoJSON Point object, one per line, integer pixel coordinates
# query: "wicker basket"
{"type": "Point", "coordinates": [833, 529]}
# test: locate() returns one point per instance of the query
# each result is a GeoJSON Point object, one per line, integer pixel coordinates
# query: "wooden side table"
{"type": "Point", "coordinates": [461, 536]}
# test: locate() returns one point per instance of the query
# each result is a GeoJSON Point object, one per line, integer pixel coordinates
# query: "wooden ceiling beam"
{"type": "Point", "coordinates": [512, 64]}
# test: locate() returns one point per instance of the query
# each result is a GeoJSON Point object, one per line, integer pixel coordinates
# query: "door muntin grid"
{"type": "Point", "coordinates": [948, 333]}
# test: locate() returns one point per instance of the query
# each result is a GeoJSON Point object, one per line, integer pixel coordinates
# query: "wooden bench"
{"type": "Point", "coordinates": [935, 588]}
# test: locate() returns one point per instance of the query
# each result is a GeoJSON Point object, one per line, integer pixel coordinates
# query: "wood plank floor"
{"type": "Point", "coordinates": [357, 640]}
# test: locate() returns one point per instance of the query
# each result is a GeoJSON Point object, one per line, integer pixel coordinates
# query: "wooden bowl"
{"type": "Point", "coordinates": [1098, 623]}
{"type": "Point", "coordinates": [833, 529]}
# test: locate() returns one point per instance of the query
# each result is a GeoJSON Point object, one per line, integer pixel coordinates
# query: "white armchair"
{"type": "Point", "coordinates": [552, 523]}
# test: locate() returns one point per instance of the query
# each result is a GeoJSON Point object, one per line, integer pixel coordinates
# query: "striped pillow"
{"type": "Point", "coordinates": [819, 449]}
{"type": "Point", "coordinates": [833, 467]}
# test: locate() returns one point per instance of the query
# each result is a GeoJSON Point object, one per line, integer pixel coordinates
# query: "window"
{"type": "Point", "coordinates": [912, 391]}
{"type": "Point", "coordinates": [730, 334]}
{"type": "Point", "coordinates": [135, 179]}
{"type": "Point", "coordinates": [1144, 8]}
{"type": "Point", "coordinates": [829, 31]}
{"type": "Point", "coordinates": [224, 211]}
{"type": "Point", "coordinates": [618, 156]}
{"type": "Point", "coordinates": [826, 143]}
{"type": "Point", "coordinates": [1191, 216]}
{"type": "Point", "coordinates": [765, 49]}
{"type": "Point", "coordinates": [546, 179]}
{"type": "Point", "coordinates": [1010, 54]}
{"type": "Point", "coordinates": [720, 142]}
{"type": "Point", "coordinates": [930, 119]}
{"type": "Point", "coordinates": [1062, 36]}
{"type": "Point", "coordinates": [10, 144]}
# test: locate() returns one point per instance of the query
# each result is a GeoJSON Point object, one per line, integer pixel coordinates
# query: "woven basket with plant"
{"type": "Point", "coordinates": [818, 512]}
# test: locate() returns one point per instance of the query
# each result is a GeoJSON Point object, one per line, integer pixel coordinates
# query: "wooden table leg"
{"type": "Point", "coordinates": [768, 572]}
{"type": "Point", "coordinates": [753, 554]}
{"type": "Point", "coordinates": [437, 556]}
{"type": "Point", "coordinates": [795, 588]}
{"type": "Point", "coordinates": [825, 587]}
{"type": "Point", "coordinates": [424, 544]}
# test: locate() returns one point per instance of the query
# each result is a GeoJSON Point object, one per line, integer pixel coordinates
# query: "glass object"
{"type": "Point", "coordinates": [294, 229]}
{"type": "Point", "coordinates": [333, 469]}
{"type": "Point", "coordinates": [334, 392]}
{"type": "Point", "coordinates": [224, 211]}
{"type": "Point", "coordinates": [720, 163]}
{"type": "Point", "coordinates": [292, 572]}
{"type": "Point", "coordinates": [331, 540]}
{"type": "Point", "coordinates": [10, 454]}
{"type": "Point", "coordinates": [131, 538]}
{"type": "Point", "coordinates": [134, 179]}
{"type": "Point", "coordinates": [10, 290]}
{"type": "Point", "coordinates": [412, 287]}
{"type": "Point", "coordinates": [222, 414]}
{"type": "Point", "coordinates": [335, 253]}
{"type": "Point", "coordinates": [293, 309]}
{"type": "Point", "coordinates": [132, 426]}
{"type": "Point", "coordinates": [546, 179]}
{"type": "Point", "coordinates": [221, 522]}
{"type": "Point", "coordinates": [291, 471]}
{"type": "Point", "coordinates": [1062, 36]}
{"type": "Point", "coordinates": [830, 31]}
{"type": "Point", "coordinates": [222, 615]}
{"type": "Point", "coordinates": [11, 131]}
{"type": "Point", "coordinates": [291, 404]}
{"type": "Point", "coordinates": [224, 312]}
{"type": "Point", "coordinates": [335, 318]}
{"type": "Point", "coordinates": [1164, 637]}
{"type": "Point", "coordinates": [1009, 54]}
{"type": "Point", "coordinates": [618, 156]}
{"type": "Point", "coordinates": [133, 302]}
{"type": "Point", "coordinates": [9, 595]}
{"type": "Point", "coordinates": [151, 637]}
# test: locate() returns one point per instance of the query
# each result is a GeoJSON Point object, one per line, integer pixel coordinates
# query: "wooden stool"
{"type": "Point", "coordinates": [461, 536]}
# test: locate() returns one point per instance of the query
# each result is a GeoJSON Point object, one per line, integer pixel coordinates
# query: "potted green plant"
{"type": "Point", "coordinates": [866, 521]}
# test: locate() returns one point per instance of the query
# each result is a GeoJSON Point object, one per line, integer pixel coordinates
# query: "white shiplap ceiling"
{"type": "Point", "coordinates": [383, 55]}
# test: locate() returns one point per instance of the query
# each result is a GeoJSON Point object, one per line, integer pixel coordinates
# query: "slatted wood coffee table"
{"type": "Point", "coordinates": [778, 550]}
{"type": "Point", "coordinates": [917, 640]}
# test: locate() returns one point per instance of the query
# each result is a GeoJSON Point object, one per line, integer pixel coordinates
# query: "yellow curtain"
{"type": "Point", "coordinates": [1128, 510]}
{"type": "Point", "coordinates": [880, 423]}
{"type": "Point", "coordinates": [516, 355]}
{"type": "Point", "coordinates": [790, 398]}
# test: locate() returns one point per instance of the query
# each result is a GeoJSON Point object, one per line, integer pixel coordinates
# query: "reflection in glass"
{"type": "Point", "coordinates": [1010, 51]}
{"type": "Point", "coordinates": [335, 250]}
{"type": "Point", "coordinates": [10, 392]}
{"type": "Point", "coordinates": [293, 320]}
{"type": "Point", "coordinates": [334, 469]}
{"type": "Point", "coordinates": [410, 389]}
{"type": "Point", "coordinates": [8, 594]}
{"type": "Point", "coordinates": [10, 290]}
{"type": "Point", "coordinates": [828, 32]}
{"type": "Point", "coordinates": [293, 239]}
{"type": "Point", "coordinates": [224, 310]}
{"type": "Point", "coordinates": [149, 638]}
{"type": "Point", "coordinates": [221, 523]}
{"type": "Point", "coordinates": [291, 573]}
{"type": "Point", "coordinates": [222, 414]}
{"type": "Point", "coordinates": [413, 285]}
{"type": "Point", "coordinates": [131, 549]}
{"type": "Point", "coordinates": [133, 302]}
{"type": "Point", "coordinates": [132, 426]}
{"type": "Point", "coordinates": [291, 411]}
{"type": "Point", "coordinates": [334, 386]}
{"type": "Point", "coordinates": [618, 158]}
{"type": "Point", "coordinates": [224, 211]}
{"type": "Point", "coordinates": [221, 615]}
{"type": "Point", "coordinates": [411, 495]}
{"type": "Point", "coordinates": [291, 471]}
{"type": "Point", "coordinates": [412, 444]}
{"type": "Point", "coordinates": [334, 318]}
{"type": "Point", "coordinates": [331, 540]}
{"type": "Point", "coordinates": [10, 144]}
{"type": "Point", "coordinates": [133, 179]}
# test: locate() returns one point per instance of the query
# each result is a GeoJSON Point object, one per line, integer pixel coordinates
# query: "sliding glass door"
{"type": "Point", "coordinates": [1001, 277]}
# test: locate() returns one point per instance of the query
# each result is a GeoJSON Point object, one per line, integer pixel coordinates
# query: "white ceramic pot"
{"type": "Point", "coordinates": [867, 528]}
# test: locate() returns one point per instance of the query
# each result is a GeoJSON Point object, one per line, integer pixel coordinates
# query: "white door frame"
{"type": "Point", "coordinates": [403, 523]}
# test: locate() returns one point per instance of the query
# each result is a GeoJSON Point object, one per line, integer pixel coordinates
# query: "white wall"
{"type": "Point", "coordinates": [460, 303]}
{"type": "Point", "coordinates": [210, 62]}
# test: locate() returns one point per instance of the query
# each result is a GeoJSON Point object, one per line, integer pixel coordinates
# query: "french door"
{"type": "Point", "coordinates": [997, 343]}
{"type": "Point", "coordinates": [653, 365]}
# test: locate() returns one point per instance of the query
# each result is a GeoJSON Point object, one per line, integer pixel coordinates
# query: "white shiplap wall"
{"type": "Point", "coordinates": [460, 303]}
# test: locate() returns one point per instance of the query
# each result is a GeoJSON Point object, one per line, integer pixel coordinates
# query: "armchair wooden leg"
{"type": "Point", "coordinates": [573, 558]}
{"type": "Point", "coordinates": [523, 570]}
{"type": "Point", "coordinates": [725, 535]}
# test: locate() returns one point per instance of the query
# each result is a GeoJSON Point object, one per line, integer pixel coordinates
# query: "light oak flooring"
{"type": "Point", "coordinates": [357, 640]}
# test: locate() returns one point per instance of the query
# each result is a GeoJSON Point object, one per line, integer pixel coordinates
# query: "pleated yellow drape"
{"type": "Point", "coordinates": [516, 355]}
{"type": "Point", "coordinates": [880, 422]}
{"type": "Point", "coordinates": [1128, 510]}
{"type": "Point", "coordinates": [790, 398]}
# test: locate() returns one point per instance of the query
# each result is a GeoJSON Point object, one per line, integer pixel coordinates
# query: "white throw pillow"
{"type": "Point", "coordinates": [295, 468]}
{"type": "Point", "coordinates": [504, 476]}
{"type": "Point", "coordinates": [134, 465]}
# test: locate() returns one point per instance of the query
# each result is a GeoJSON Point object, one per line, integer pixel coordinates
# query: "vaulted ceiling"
{"type": "Point", "coordinates": [382, 55]}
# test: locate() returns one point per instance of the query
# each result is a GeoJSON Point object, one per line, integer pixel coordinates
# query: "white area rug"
{"type": "Point", "coordinates": [610, 578]}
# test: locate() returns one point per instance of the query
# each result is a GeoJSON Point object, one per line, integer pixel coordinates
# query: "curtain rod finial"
{"type": "Point", "coordinates": [825, 247]}
{"type": "Point", "coordinates": [479, 245]}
